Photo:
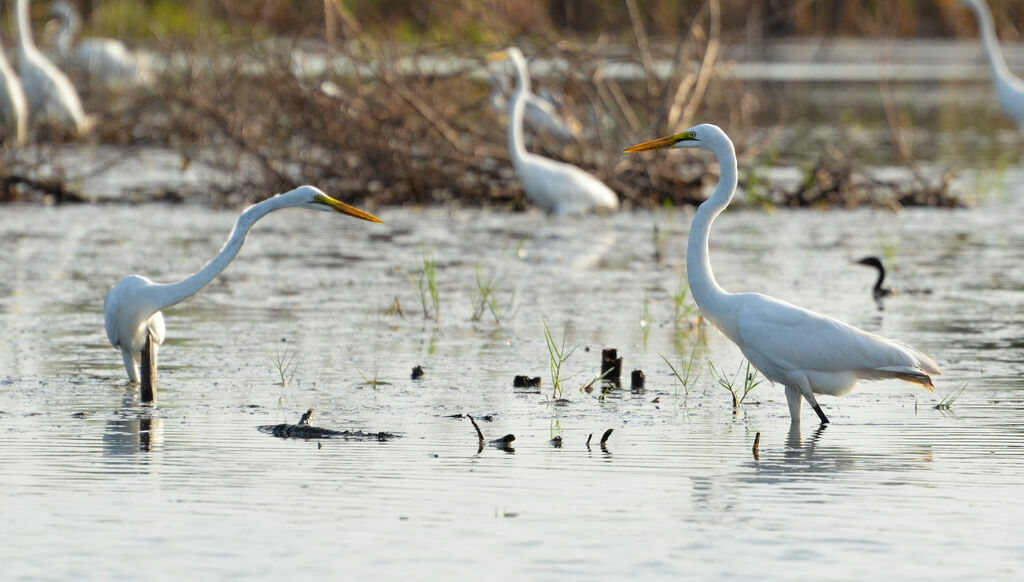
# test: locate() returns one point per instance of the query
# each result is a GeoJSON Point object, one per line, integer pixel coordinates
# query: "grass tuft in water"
{"type": "Point", "coordinates": [374, 380]}
{"type": "Point", "coordinates": [687, 368]}
{"type": "Point", "coordinates": [739, 393]}
{"type": "Point", "coordinates": [425, 283]}
{"type": "Point", "coordinates": [683, 312]}
{"type": "Point", "coordinates": [947, 401]}
{"type": "Point", "coordinates": [486, 299]}
{"type": "Point", "coordinates": [645, 322]}
{"type": "Point", "coordinates": [557, 357]}
{"type": "Point", "coordinates": [284, 362]}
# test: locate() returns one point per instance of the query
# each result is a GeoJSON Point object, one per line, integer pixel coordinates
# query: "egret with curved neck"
{"type": "Point", "coordinates": [557, 187]}
{"type": "Point", "coordinates": [108, 62]}
{"type": "Point", "coordinates": [13, 106]}
{"type": "Point", "coordinates": [1009, 87]}
{"type": "Point", "coordinates": [807, 352]}
{"type": "Point", "coordinates": [132, 307]}
{"type": "Point", "coordinates": [51, 96]}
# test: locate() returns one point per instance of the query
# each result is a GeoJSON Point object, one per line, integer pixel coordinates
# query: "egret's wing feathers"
{"type": "Point", "coordinates": [797, 339]}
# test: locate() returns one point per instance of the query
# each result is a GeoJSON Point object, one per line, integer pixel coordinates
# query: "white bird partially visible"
{"type": "Point", "coordinates": [51, 97]}
{"type": "Point", "coordinates": [132, 307]}
{"type": "Point", "coordinates": [807, 352]}
{"type": "Point", "coordinates": [540, 113]}
{"type": "Point", "coordinates": [13, 106]}
{"type": "Point", "coordinates": [107, 62]}
{"type": "Point", "coordinates": [557, 187]}
{"type": "Point", "coordinates": [1009, 87]}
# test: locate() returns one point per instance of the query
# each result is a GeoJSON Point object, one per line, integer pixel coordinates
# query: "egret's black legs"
{"type": "Point", "coordinates": [147, 382]}
{"type": "Point", "coordinates": [821, 415]}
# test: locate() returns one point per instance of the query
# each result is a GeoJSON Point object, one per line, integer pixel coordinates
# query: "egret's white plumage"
{"type": "Point", "coordinates": [557, 187]}
{"type": "Point", "coordinates": [132, 307]}
{"type": "Point", "coordinates": [1009, 87]}
{"type": "Point", "coordinates": [540, 113]}
{"type": "Point", "coordinates": [107, 62]}
{"type": "Point", "coordinates": [809, 353]}
{"type": "Point", "coordinates": [13, 106]}
{"type": "Point", "coordinates": [51, 96]}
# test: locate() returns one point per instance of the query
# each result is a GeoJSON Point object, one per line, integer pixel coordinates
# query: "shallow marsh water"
{"type": "Point", "coordinates": [96, 486]}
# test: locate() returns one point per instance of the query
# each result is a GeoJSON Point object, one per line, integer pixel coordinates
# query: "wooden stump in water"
{"type": "Point", "coordinates": [147, 382]}
{"type": "Point", "coordinates": [637, 380]}
{"type": "Point", "coordinates": [611, 366]}
{"type": "Point", "coordinates": [526, 382]}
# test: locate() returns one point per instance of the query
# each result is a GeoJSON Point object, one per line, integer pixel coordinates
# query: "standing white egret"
{"type": "Point", "coordinates": [1009, 87]}
{"type": "Point", "coordinates": [51, 96]}
{"type": "Point", "coordinates": [557, 187]}
{"type": "Point", "coordinates": [13, 107]}
{"type": "Point", "coordinates": [132, 307]}
{"type": "Point", "coordinates": [805, 351]}
{"type": "Point", "coordinates": [108, 62]}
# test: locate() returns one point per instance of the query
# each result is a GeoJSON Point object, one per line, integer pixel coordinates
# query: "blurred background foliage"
{"type": "Point", "coordinates": [489, 21]}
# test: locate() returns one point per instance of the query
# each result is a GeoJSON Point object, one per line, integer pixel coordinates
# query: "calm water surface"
{"type": "Point", "coordinates": [96, 486]}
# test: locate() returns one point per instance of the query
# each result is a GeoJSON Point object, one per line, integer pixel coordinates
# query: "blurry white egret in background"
{"type": "Point", "coordinates": [1009, 87]}
{"type": "Point", "coordinates": [540, 113]}
{"type": "Point", "coordinates": [13, 107]}
{"type": "Point", "coordinates": [106, 61]}
{"type": "Point", "coordinates": [805, 351]}
{"type": "Point", "coordinates": [132, 307]}
{"type": "Point", "coordinates": [51, 96]}
{"type": "Point", "coordinates": [557, 187]}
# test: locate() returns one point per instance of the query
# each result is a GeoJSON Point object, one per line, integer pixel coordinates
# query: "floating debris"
{"type": "Point", "coordinates": [303, 430]}
{"type": "Point", "coordinates": [526, 382]}
{"type": "Point", "coordinates": [504, 442]}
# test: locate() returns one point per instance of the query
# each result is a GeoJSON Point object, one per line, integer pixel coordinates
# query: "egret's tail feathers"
{"type": "Point", "coordinates": [913, 375]}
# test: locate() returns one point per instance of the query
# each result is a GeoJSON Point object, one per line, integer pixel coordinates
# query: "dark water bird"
{"type": "Point", "coordinates": [879, 291]}
{"type": "Point", "coordinates": [807, 352]}
{"type": "Point", "coordinates": [132, 307]}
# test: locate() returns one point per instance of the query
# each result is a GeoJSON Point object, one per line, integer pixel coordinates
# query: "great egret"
{"type": "Point", "coordinates": [1009, 87]}
{"type": "Point", "coordinates": [51, 96]}
{"type": "Point", "coordinates": [106, 61]}
{"type": "Point", "coordinates": [132, 307]}
{"type": "Point", "coordinates": [557, 187]}
{"type": "Point", "coordinates": [540, 113]}
{"type": "Point", "coordinates": [878, 291]}
{"type": "Point", "coordinates": [805, 351]}
{"type": "Point", "coordinates": [13, 107]}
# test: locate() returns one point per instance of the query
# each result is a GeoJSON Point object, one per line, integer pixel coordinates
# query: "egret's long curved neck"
{"type": "Point", "coordinates": [988, 37]}
{"type": "Point", "coordinates": [517, 109]}
{"type": "Point", "coordinates": [70, 25]}
{"type": "Point", "coordinates": [24, 26]}
{"type": "Point", "coordinates": [174, 293]}
{"type": "Point", "coordinates": [706, 291]}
